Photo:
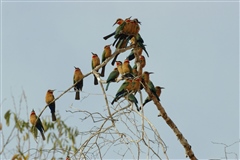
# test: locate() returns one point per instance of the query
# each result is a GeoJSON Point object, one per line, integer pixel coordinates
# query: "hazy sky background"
{"type": "Point", "coordinates": [194, 54]}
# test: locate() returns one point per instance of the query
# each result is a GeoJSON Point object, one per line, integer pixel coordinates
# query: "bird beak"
{"type": "Point", "coordinates": [114, 23]}
{"type": "Point", "coordinates": [92, 53]}
{"type": "Point", "coordinates": [150, 72]}
{"type": "Point", "coordinates": [162, 87]}
{"type": "Point", "coordinates": [75, 67]}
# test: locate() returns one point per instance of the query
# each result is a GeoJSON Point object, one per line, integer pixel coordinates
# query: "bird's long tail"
{"type": "Point", "coordinates": [95, 80]}
{"type": "Point", "coordinates": [114, 59]}
{"type": "Point", "coordinates": [43, 136]}
{"type": "Point", "coordinates": [103, 71]}
{"type": "Point", "coordinates": [107, 86]}
{"type": "Point", "coordinates": [77, 95]}
{"type": "Point", "coordinates": [108, 36]}
{"type": "Point", "coordinates": [53, 117]}
{"type": "Point", "coordinates": [137, 107]}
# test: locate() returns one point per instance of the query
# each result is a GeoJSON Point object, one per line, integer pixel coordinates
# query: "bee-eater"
{"type": "Point", "coordinates": [149, 83]}
{"type": "Point", "coordinates": [158, 92]}
{"type": "Point", "coordinates": [119, 67]}
{"type": "Point", "coordinates": [123, 33]}
{"type": "Point", "coordinates": [138, 41]}
{"type": "Point", "coordinates": [78, 77]}
{"type": "Point", "coordinates": [146, 77]}
{"type": "Point", "coordinates": [112, 77]}
{"type": "Point", "coordinates": [133, 99]}
{"type": "Point", "coordinates": [48, 99]}
{"type": "Point", "coordinates": [107, 52]}
{"type": "Point", "coordinates": [127, 27]}
{"type": "Point", "coordinates": [95, 62]}
{"type": "Point", "coordinates": [35, 121]}
{"type": "Point", "coordinates": [123, 90]}
{"type": "Point", "coordinates": [136, 84]}
{"type": "Point", "coordinates": [135, 28]}
{"type": "Point", "coordinates": [121, 24]}
{"type": "Point", "coordinates": [126, 69]}
{"type": "Point", "coordinates": [138, 71]}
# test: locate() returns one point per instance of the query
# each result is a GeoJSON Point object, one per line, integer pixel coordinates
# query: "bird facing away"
{"type": "Point", "coordinates": [112, 77]}
{"type": "Point", "coordinates": [95, 62]}
{"type": "Point", "coordinates": [78, 77]}
{"type": "Point", "coordinates": [107, 52]}
{"type": "Point", "coordinates": [35, 121]}
{"type": "Point", "coordinates": [48, 99]}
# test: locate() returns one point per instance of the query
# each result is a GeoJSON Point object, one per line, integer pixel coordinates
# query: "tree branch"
{"type": "Point", "coordinates": [171, 124]}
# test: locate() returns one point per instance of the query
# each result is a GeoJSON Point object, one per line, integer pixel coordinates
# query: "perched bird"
{"type": "Point", "coordinates": [95, 62]}
{"type": "Point", "coordinates": [158, 92]}
{"type": "Point", "coordinates": [127, 27]}
{"type": "Point", "coordinates": [78, 77]}
{"type": "Point", "coordinates": [130, 29]}
{"type": "Point", "coordinates": [107, 52]}
{"type": "Point", "coordinates": [123, 90]}
{"type": "Point", "coordinates": [126, 69]}
{"type": "Point", "coordinates": [133, 99]}
{"type": "Point", "coordinates": [135, 28]}
{"type": "Point", "coordinates": [121, 24]}
{"type": "Point", "coordinates": [35, 121]}
{"type": "Point", "coordinates": [138, 41]}
{"type": "Point", "coordinates": [136, 82]}
{"type": "Point", "coordinates": [138, 71]}
{"type": "Point", "coordinates": [145, 78]}
{"type": "Point", "coordinates": [148, 83]}
{"type": "Point", "coordinates": [112, 77]}
{"type": "Point", "coordinates": [48, 99]}
{"type": "Point", "coordinates": [119, 67]}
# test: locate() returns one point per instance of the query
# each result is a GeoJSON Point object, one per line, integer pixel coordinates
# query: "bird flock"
{"type": "Point", "coordinates": [134, 77]}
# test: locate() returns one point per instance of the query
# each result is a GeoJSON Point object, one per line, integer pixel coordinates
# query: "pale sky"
{"type": "Point", "coordinates": [194, 54]}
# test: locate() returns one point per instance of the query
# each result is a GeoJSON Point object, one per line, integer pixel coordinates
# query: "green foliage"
{"type": "Point", "coordinates": [34, 131]}
{"type": "Point", "coordinates": [58, 133]}
{"type": "Point", "coordinates": [7, 117]}
{"type": "Point", "coordinates": [20, 124]}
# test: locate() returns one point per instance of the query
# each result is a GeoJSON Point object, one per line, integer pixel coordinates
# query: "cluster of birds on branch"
{"type": "Point", "coordinates": [135, 79]}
